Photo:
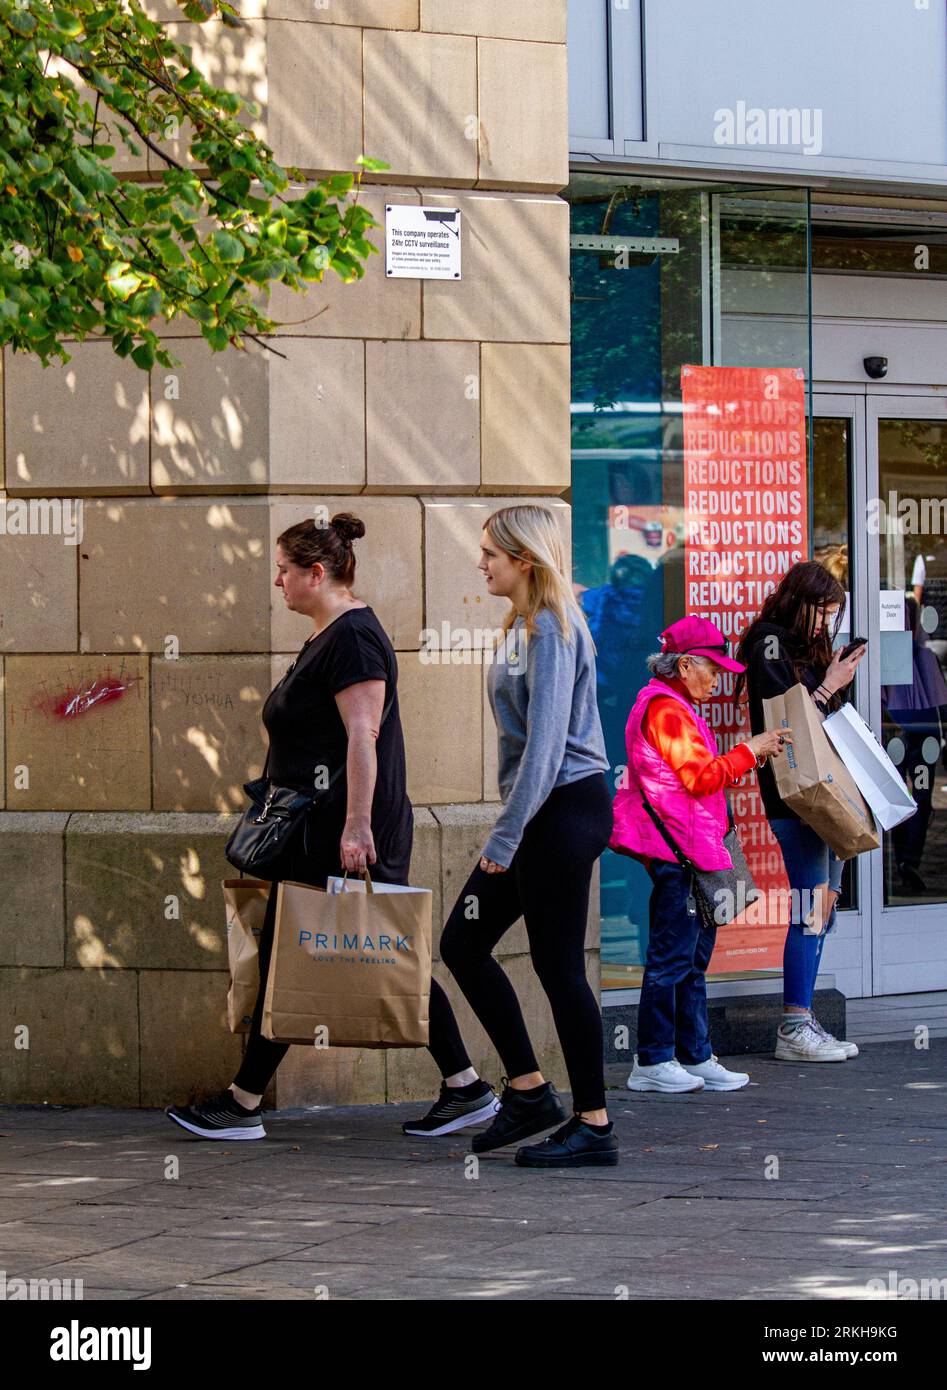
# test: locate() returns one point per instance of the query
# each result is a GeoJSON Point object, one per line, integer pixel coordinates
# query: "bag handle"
{"type": "Point", "coordinates": [367, 877]}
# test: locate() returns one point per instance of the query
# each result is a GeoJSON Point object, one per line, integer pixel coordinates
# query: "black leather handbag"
{"type": "Point", "coordinates": [266, 825]}
{"type": "Point", "coordinates": [719, 895]}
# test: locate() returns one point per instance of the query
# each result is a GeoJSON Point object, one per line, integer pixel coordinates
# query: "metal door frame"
{"type": "Point", "coordinates": [852, 406]}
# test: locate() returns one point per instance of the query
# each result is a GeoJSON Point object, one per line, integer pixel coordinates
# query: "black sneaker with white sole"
{"type": "Point", "coordinates": [454, 1110]}
{"type": "Point", "coordinates": [220, 1117]}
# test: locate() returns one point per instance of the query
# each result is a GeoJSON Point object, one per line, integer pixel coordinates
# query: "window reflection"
{"type": "Point", "coordinates": [685, 289]}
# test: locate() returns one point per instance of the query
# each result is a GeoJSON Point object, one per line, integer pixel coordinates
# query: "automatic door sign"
{"type": "Point", "coordinates": [422, 243]}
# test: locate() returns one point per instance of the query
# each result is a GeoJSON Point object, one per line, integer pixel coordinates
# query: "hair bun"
{"type": "Point", "coordinates": [347, 526]}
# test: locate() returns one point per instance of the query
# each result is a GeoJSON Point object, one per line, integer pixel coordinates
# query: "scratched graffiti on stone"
{"type": "Point", "coordinates": [193, 690]}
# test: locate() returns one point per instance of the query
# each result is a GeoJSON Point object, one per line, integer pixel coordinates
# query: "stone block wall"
{"type": "Point", "coordinates": [421, 405]}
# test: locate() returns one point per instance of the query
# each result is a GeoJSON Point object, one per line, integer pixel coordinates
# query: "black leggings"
{"type": "Point", "coordinates": [547, 883]}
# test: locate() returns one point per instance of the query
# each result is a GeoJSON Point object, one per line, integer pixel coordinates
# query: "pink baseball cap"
{"type": "Point", "coordinates": [699, 637]}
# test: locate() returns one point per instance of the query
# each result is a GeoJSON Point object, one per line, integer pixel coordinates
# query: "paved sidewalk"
{"type": "Point", "coordinates": [336, 1203]}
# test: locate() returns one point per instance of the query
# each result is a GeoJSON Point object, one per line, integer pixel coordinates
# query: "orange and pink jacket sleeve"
{"type": "Point", "coordinates": [672, 731]}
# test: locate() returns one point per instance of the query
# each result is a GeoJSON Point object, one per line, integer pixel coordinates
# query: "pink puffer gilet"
{"type": "Point", "coordinates": [696, 823]}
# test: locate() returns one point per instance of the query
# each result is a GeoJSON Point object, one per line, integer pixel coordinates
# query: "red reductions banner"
{"type": "Point", "coordinates": [745, 524]}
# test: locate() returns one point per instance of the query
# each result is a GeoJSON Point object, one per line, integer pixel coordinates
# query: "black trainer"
{"type": "Point", "coordinates": [576, 1145]}
{"type": "Point", "coordinates": [453, 1110]}
{"type": "Point", "coordinates": [220, 1117]}
{"type": "Point", "coordinates": [520, 1116]}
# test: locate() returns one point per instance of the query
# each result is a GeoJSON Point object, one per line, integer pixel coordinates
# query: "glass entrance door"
{"type": "Point", "coordinates": [907, 632]}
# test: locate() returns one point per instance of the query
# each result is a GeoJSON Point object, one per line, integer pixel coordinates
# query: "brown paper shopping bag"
{"type": "Point", "coordinates": [245, 902]}
{"type": "Point", "coordinates": [350, 969]}
{"type": "Point", "coordinates": [812, 779]}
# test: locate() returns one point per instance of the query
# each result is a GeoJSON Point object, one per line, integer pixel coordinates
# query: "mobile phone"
{"type": "Point", "coordinates": [853, 646]}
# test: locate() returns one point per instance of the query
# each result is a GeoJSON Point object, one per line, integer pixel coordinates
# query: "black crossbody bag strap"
{"type": "Point", "coordinates": [666, 835]}
{"type": "Point", "coordinates": [688, 865]}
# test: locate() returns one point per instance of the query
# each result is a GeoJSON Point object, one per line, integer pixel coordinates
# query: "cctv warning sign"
{"type": "Point", "coordinates": [422, 243]}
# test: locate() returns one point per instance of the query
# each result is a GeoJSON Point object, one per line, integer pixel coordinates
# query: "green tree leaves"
{"type": "Point", "coordinates": [87, 250]}
{"type": "Point", "coordinates": [229, 247]}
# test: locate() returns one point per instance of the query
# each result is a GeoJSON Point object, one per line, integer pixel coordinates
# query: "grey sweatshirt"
{"type": "Point", "coordinates": [548, 726]}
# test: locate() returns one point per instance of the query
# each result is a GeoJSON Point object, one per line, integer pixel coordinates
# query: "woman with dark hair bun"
{"type": "Point", "coordinates": [334, 727]}
{"type": "Point", "coordinates": [790, 641]}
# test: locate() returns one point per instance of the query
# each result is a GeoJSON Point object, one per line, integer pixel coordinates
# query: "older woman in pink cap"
{"type": "Point", "coordinates": [673, 763]}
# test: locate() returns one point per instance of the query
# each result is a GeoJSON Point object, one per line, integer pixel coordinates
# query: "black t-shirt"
{"type": "Point", "coordinates": [309, 745]}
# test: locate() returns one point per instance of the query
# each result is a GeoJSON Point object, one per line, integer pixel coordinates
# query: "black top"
{"type": "Point", "coordinates": [770, 671]}
{"type": "Point", "coordinates": [309, 745]}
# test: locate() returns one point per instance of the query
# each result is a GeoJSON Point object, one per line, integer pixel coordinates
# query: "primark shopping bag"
{"type": "Point", "coordinates": [812, 779]}
{"type": "Point", "coordinates": [245, 904]}
{"type": "Point", "coordinates": [350, 969]}
{"type": "Point", "coordinates": [875, 775]}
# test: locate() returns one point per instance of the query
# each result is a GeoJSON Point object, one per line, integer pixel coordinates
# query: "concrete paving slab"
{"type": "Point", "coordinates": [36, 1241]}
{"type": "Point", "coordinates": [167, 1261]}
{"type": "Point", "coordinates": [189, 1293]}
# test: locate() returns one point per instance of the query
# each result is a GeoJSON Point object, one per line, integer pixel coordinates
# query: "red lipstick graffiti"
{"type": "Point", "coordinates": [77, 699]}
{"type": "Point", "coordinates": [72, 703]}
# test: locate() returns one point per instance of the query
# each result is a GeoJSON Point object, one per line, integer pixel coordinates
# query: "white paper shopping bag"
{"type": "Point", "coordinates": [873, 772]}
{"type": "Point", "coordinates": [335, 884]}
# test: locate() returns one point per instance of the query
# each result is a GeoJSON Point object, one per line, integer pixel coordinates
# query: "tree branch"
{"type": "Point", "coordinates": [124, 116]}
{"type": "Point", "coordinates": [260, 342]}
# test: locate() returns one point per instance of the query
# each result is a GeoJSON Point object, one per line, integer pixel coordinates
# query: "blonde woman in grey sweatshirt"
{"type": "Point", "coordinates": [537, 863]}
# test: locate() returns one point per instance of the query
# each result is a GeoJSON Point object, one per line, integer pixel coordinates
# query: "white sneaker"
{"type": "Point", "coordinates": [716, 1077]}
{"type": "Point", "coordinates": [663, 1076]}
{"type": "Point", "coordinates": [849, 1048]}
{"type": "Point", "coordinates": [804, 1044]}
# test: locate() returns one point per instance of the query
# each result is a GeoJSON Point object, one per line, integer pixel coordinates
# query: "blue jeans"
{"type": "Point", "coordinates": [809, 862]}
{"type": "Point", "coordinates": [672, 1013]}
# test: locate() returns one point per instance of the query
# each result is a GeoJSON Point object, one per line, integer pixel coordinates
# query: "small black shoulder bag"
{"type": "Point", "coordinates": [716, 893]}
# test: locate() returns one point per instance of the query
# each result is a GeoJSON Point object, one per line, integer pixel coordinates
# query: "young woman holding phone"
{"type": "Point", "coordinates": [790, 641]}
